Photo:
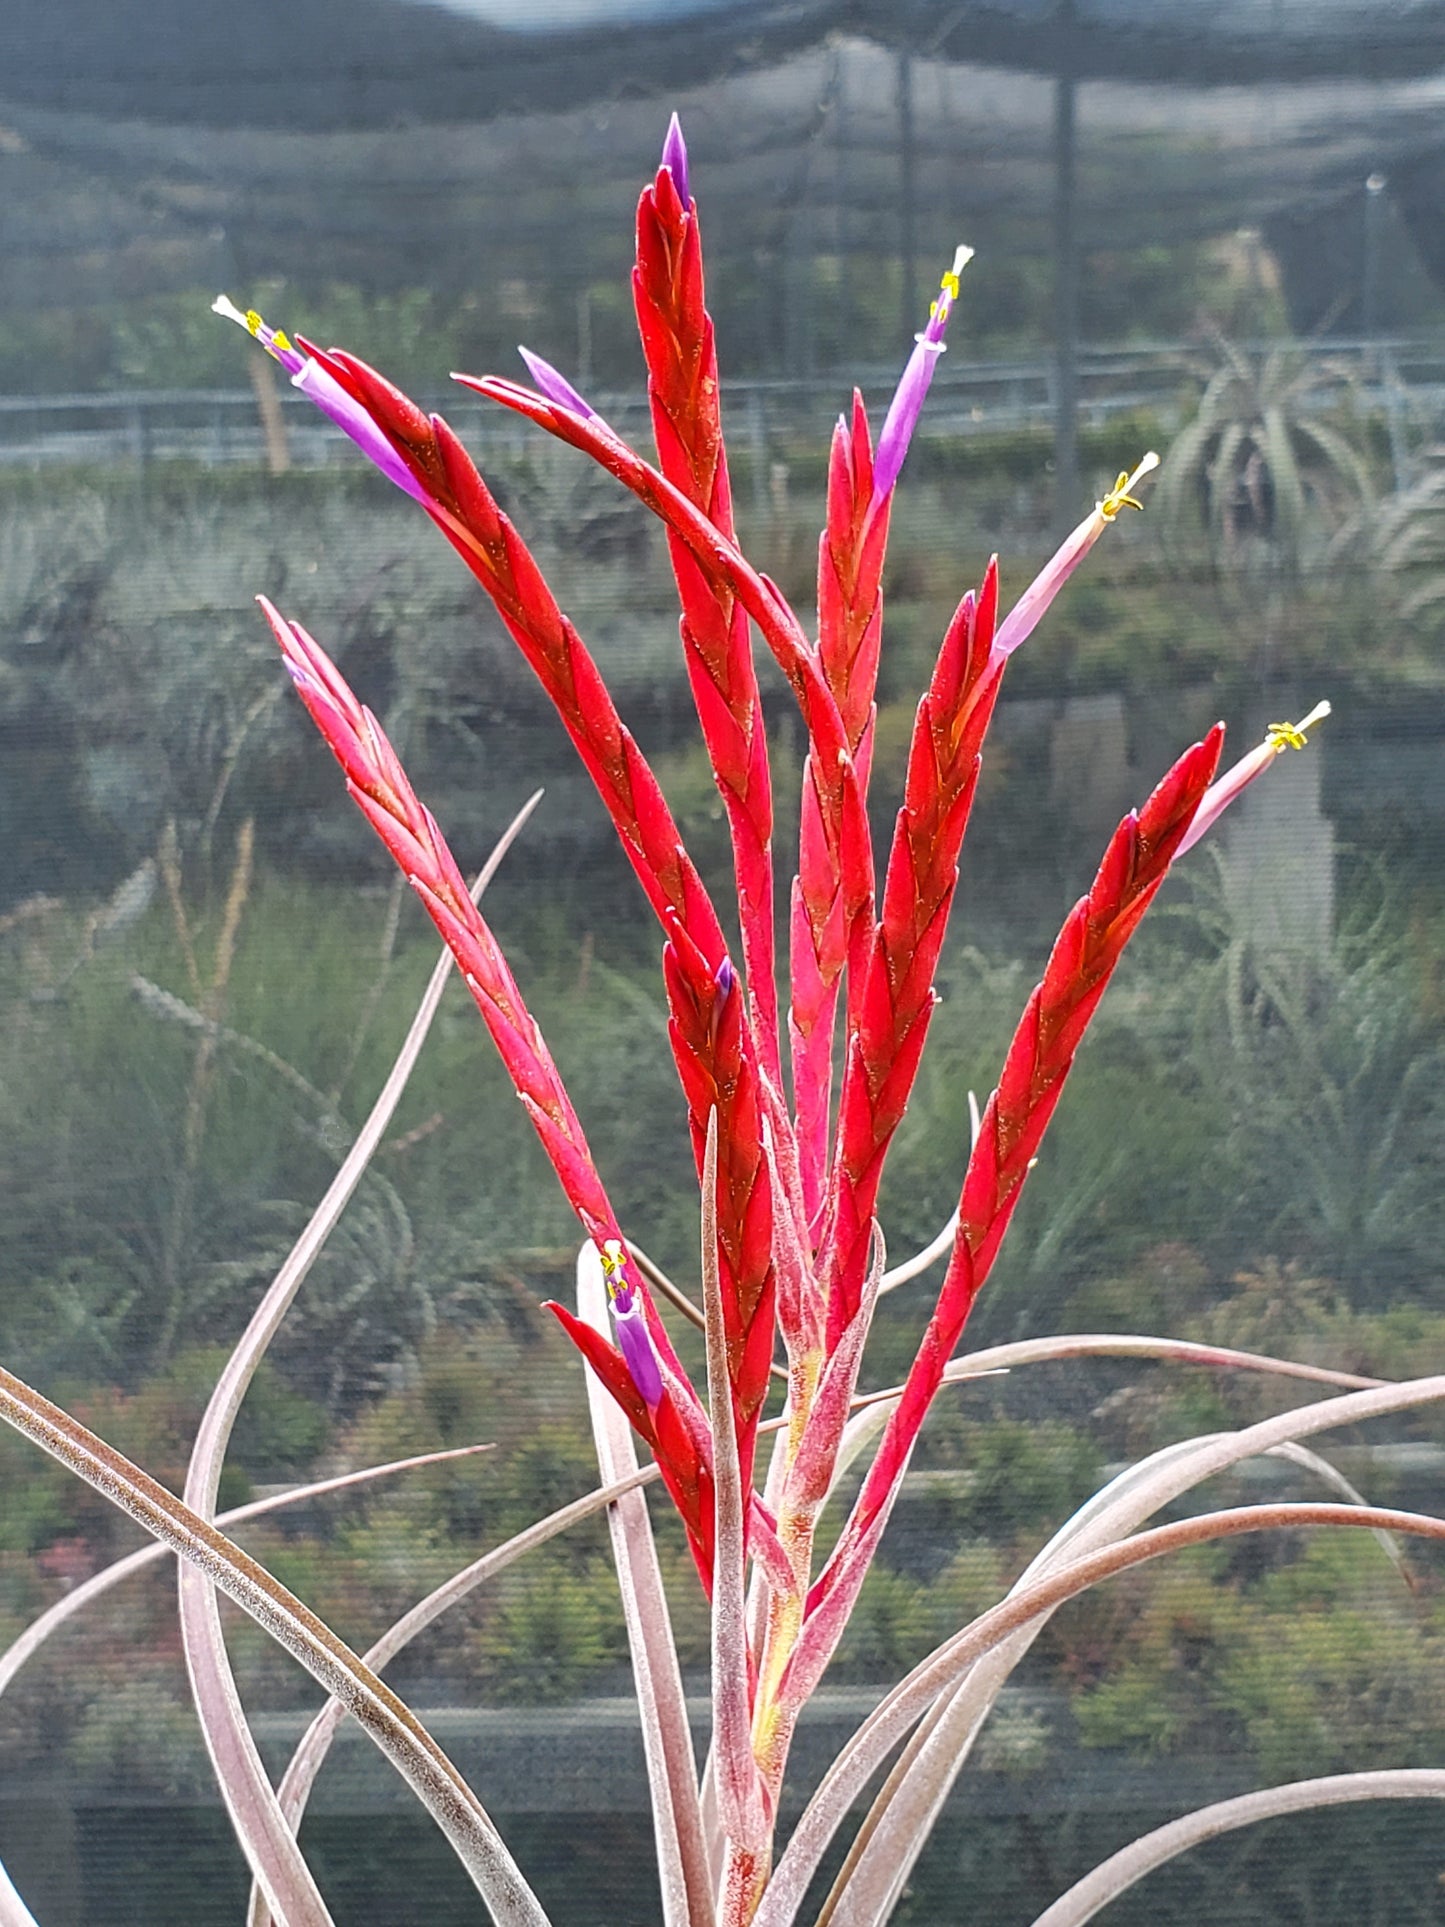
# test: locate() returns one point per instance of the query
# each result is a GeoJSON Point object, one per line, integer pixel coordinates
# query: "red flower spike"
{"type": "Point", "coordinates": [678, 1429]}
{"type": "Point", "coordinates": [682, 388]}
{"type": "Point", "coordinates": [851, 550]}
{"type": "Point", "coordinates": [773, 1200]}
{"type": "Point", "coordinates": [895, 1000]}
{"type": "Point", "coordinates": [1038, 1063]}
{"type": "Point", "coordinates": [467, 514]}
{"type": "Point", "coordinates": [469, 517]}
{"type": "Point", "coordinates": [832, 762]}
{"type": "Point", "coordinates": [850, 627]}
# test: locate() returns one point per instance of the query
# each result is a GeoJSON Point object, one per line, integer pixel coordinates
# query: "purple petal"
{"type": "Point", "coordinates": [555, 386]}
{"type": "Point", "coordinates": [912, 390]}
{"type": "Point", "coordinates": [352, 419]}
{"type": "Point", "coordinates": [1029, 611]}
{"type": "Point", "coordinates": [271, 339]}
{"type": "Point", "coordinates": [1033, 604]}
{"type": "Point", "coordinates": [636, 1347]}
{"type": "Point", "coordinates": [674, 158]}
{"type": "Point", "coordinates": [1234, 782]}
{"type": "Point", "coordinates": [903, 412]}
{"type": "Point", "coordinates": [302, 677]}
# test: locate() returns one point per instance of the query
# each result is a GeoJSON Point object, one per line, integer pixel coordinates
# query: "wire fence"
{"type": "Point", "coordinates": [1401, 382]}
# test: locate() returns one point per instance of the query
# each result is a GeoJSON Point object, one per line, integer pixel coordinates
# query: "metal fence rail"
{"type": "Point", "coordinates": [1401, 380]}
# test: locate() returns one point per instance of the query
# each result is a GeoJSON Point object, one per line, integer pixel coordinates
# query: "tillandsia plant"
{"type": "Point", "coordinates": [789, 1167]}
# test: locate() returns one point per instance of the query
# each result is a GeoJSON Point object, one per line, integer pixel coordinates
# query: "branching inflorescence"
{"type": "Point", "coordinates": [794, 1253]}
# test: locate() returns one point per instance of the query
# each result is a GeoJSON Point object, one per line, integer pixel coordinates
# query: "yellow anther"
{"type": "Point", "coordinates": [1119, 498]}
{"type": "Point", "coordinates": [1281, 736]}
{"type": "Point", "coordinates": [273, 340]}
{"type": "Point", "coordinates": [614, 1265]}
{"type": "Point", "coordinates": [1121, 495]}
{"type": "Point", "coordinates": [949, 284]}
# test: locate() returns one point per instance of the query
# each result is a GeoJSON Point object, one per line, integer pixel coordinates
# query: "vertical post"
{"type": "Point", "coordinates": [758, 451]}
{"type": "Point", "coordinates": [907, 192]}
{"type": "Point", "coordinates": [843, 300]}
{"type": "Point", "coordinates": [262, 371]}
{"type": "Point", "coordinates": [584, 338]}
{"type": "Point", "coordinates": [798, 251]}
{"type": "Point", "coordinates": [1379, 358]}
{"type": "Point", "coordinates": [1066, 278]}
{"type": "Point", "coordinates": [140, 436]}
{"type": "Point", "coordinates": [1370, 264]}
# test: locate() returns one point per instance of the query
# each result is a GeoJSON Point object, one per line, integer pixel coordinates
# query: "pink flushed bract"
{"type": "Point", "coordinates": [795, 1256]}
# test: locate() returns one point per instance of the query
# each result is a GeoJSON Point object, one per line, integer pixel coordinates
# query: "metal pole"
{"type": "Point", "coordinates": [1066, 280]}
{"type": "Point", "coordinates": [1370, 266]}
{"type": "Point", "coordinates": [907, 192]}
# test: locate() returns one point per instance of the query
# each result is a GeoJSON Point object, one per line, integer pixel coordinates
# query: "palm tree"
{"type": "Point", "coordinates": [1405, 539]}
{"type": "Point", "coordinates": [1260, 473]}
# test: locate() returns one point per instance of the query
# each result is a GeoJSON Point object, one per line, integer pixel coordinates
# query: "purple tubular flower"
{"type": "Point", "coordinates": [555, 386]}
{"type": "Point", "coordinates": [1218, 797]}
{"type": "Point", "coordinates": [328, 395]}
{"type": "Point", "coordinates": [912, 390]}
{"type": "Point", "coordinates": [1033, 604]}
{"type": "Point", "coordinates": [352, 419]}
{"type": "Point", "coordinates": [674, 158]}
{"type": "Point", "coordinates": [633, 1339]}
{"type": "Point", "coordinates": [636, 1346]}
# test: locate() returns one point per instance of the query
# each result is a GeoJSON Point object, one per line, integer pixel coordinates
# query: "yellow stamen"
{"type": "Point", "coordinates": [278, 338]}
{"type": "Point", "coordinates": [1282, 736]}
{"type": "Point", "coordinates": [614, 1266]}
{"type": "Point", "coordinates": [1119, 498]}
{"type": "Point", "coordinates": [949, 284]}
{"type": "Point", "coordinates": [1121, 495]}
{"type": "Point", "coordinates": [271, 339]}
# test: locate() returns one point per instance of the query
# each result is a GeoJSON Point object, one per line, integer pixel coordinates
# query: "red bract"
{"type": "Point", "coordinates": [1039, 1060]}
{"type": "Point", "coordinates": [712, 1041]}
{"type": "Point", "coordinates": [682, 389]}
{"type": "Point", "coordinates": [850, 632]}
{"type": "Point", "coordinates": [673, 1424]}
{"type": "Point", "coordinates": [793, 1248]}
{"type": "Point", "coordinates": [896, 997]}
